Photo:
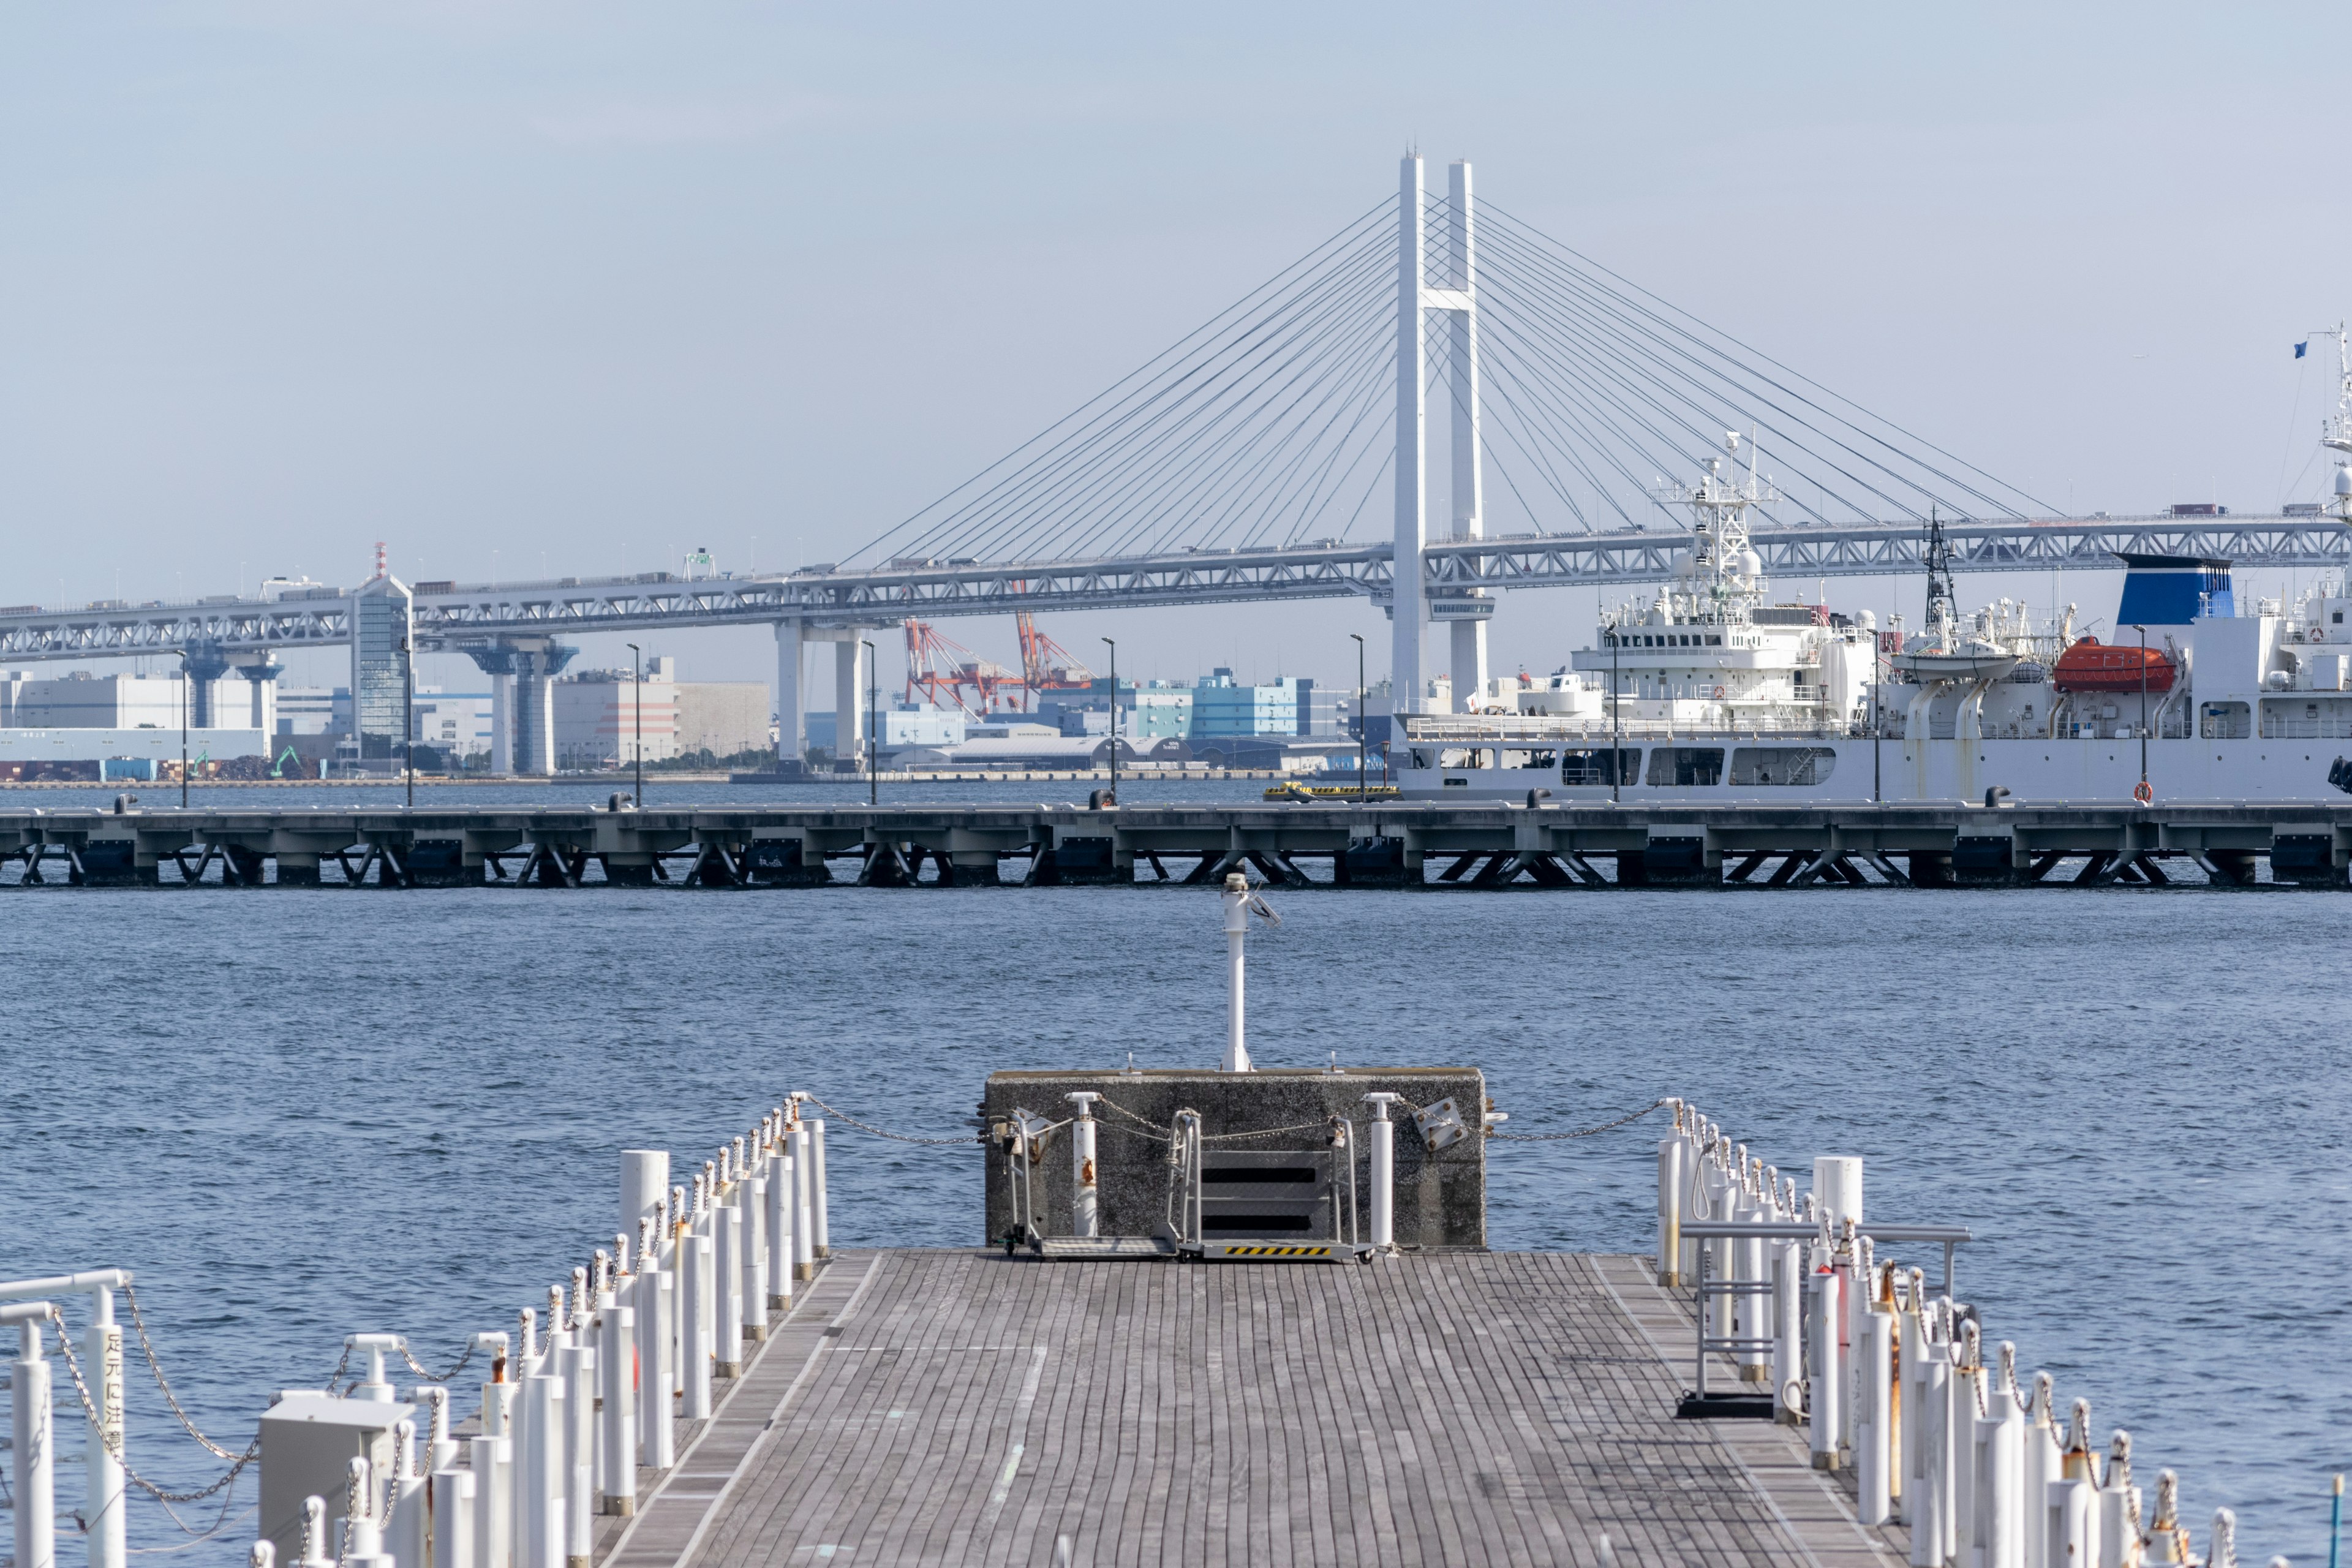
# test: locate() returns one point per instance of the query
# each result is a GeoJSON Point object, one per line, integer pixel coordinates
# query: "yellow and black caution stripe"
{"type": "Point", "coordinates": [1276, 1252]}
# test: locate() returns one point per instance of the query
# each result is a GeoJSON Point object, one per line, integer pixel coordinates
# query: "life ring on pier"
{"type": "Point", "coordinates": [1718, 694]}
{"type": "Point", "coordinates": [2143, 792]}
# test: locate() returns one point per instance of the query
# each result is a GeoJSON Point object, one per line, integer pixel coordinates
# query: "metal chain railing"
{"type": "Point", "coordinates": [894, 1137]}
{"type": "Point", "coordinates": [418, 1368]}
{"type": "Point", "coordinates": [147, 1348]}
{"type": "Point", "coordinates": [1580, 1133]}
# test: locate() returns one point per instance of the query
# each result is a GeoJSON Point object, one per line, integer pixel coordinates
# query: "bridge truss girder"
{"type": "Point", "coordinates": [1321, 571]}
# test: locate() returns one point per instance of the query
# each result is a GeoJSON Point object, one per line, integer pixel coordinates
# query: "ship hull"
{"type": "Point", "coordinates": [2055, 772]}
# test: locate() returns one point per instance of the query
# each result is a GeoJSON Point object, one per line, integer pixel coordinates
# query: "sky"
{"type": "Point", "coordinates": [525, 287]}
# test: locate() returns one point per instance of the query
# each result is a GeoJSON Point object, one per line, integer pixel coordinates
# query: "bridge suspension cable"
{"type": "Point", "coordinates": [1267, 425]}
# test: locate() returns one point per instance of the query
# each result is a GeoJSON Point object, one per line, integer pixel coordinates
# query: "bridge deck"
{"type": "Point", "coordinates": [949, 1406]}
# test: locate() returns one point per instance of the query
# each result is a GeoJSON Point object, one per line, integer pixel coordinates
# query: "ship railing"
{"type": "Point", "coordinates": [2306, 728]}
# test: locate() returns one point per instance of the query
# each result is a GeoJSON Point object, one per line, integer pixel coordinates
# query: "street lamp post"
{"type": "Point", "coordinates": [1616, 733]}
{"type": "Point", "coordinates": [1363, 780]}
{"type": "Point", "coordinates": [408, 715]}
{"type": "Point", "coordinates": [184, 729]}
{"type": "Point", "coordinates": [2144, 791]}
{"type": "Point", "coordinates": [873, 744]}
{"type": "Point", "coordinates": [1114, 720]}
{"type": "Point", "coordinates": [640, 657]}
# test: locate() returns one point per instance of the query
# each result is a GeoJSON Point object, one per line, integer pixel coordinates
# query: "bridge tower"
{"type": "Point", "coordinates": [1455, 293]}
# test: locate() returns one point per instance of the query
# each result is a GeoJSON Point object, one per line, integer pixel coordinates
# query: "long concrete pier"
{"type": "Point", "coordinates": [1381, 843]}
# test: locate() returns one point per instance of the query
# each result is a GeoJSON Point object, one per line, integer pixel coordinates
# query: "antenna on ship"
{"type": "Point", "coordinates": [1941, 614]}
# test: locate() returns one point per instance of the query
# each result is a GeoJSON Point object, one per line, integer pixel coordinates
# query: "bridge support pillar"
{"type": "Point", "coordinates": [849, 705]}
{"type": "Point", "coordinates": [202, 668]}
{"type": "Point", "coordinates": [522, 714]}
{"type": "Point", "coordinates": [792, 713]}
{"type": "Point", "coordinates": [260, 672]}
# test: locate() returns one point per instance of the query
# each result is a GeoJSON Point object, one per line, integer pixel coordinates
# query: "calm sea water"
{"type": "Point", "coordinates": [298, 1115]}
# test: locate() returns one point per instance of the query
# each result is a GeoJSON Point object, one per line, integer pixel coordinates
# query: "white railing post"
{"type": "Point", "coordinates": [726, 1301]}
{"type": "Point", "coordinates": [1828, 1381]}
{"type": "Point", "coordinates": [543, 1458]}
{"type": "Point", "coordinates": [1083, 1191]}
{"type": "Point", "coordinates": [1788, 1333]}
{"type": "Point", "coordinates": [803, 1194]}
{"type": "Point", "coordinates": [780, 1205]}
{"type": "Point", "coordinates": [412, 1519]}
{"type": "Point", "coordinates": [644, 1181]}
{"type": "Point", "coordinates": [2120, 1508]}
{"type": "Point", "coordinates": [1968, 1371]}
{"type": "Point", "coordinates": [651, 1296]}
{"type": "Point", "coordinates": [1751, 1308]}
{"type": "Point", "coordinates": [455, 1494]}
{"type": "Point", "coordinates": [751, 1204]}
{"type": "Point", "coordinates": [2000, 1452]}
{"type": "Point", "coordinates": [314, 1535]}
{"type": "Point", "coordinates": [1911, 1354]}
{"type": "Point", "coordinates": [359, 1512]}
{"type": "Point", "coordinates": [616, 1353]}
{"type": "Point", "coordinates": [1929, 1490]}
{"type": "Point", "coordinates": [33, 1448]}
{"type": "Point", "coordinates": [1383, 1172]}
{"type": "Point", "coordinates": [1672, 1152]}
{"type": "Point", "coordinates": [102, 1506]}
{"type": "Point", "coordinates": [695, 1267]}
{"type": "Point", "coordinates": [579, 1477]}
{"type": "Point", "coordinates": [822, 1241]}
{"type": "Point", "coordinates": [1874, 1452]}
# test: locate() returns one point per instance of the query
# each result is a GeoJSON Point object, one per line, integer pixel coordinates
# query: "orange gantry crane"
{"type": "Point", "coordinates": [945, 672]}
{"type": "Point", "coordinates": [1046, 664]}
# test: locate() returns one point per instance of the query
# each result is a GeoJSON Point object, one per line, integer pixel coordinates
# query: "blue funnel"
{"type": "Point", "coordinates": [2173, 590]}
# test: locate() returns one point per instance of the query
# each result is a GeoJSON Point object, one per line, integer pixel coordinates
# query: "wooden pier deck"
{"type": "Point", "coordinates": [963, 1408]}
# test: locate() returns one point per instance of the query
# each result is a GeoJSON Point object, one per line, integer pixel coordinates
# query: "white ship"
{"type": "Point", "coordinates": [1711, 690]}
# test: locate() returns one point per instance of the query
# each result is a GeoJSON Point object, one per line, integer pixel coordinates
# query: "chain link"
{"type": "Point", "coordinates": [894, 1137]}
{"type": "Point", "coordinates": [114, 1442]}
{"type": "Point", "coordinates": [1581, 1133]}
{"type": "Point", "coordinates": [417, 1367]}
{"type": "Point", "coordinates": [147, 1348]}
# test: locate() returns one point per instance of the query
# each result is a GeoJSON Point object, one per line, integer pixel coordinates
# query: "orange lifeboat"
{"type": "Point", "coordinates": [2092, 666]}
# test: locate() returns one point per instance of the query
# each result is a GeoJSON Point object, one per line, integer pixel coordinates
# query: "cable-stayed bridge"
{"type": "Point", "coordinates": [1438, 382]}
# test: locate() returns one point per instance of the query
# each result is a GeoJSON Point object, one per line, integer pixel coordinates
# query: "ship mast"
{"type": "Point", "coordinates": [1719, 504]}
{"type": "Point", "coordinates": [2337, 434]}
{"type": "Point", "coordinates": [1942, 618]}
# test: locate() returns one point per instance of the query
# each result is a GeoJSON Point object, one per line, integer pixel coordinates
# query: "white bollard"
{"type": "Point", "coordinates": [820, 1241]}
{"type": "Point", "coordinates": [1672, 1152]}
{"type": "Point", "coordinates": [1911, 1357]}
{"type": "Point", "coordinates": [440, 1450]}
{"type": "Point", "coordinates": [780, 1225]}
{"type": "Point", "coordinates": [542, 1533]}
{"type": "Point", "coordinates": [2041, 1467]}
{"type": "Point", "coordinates": [694, 1318]}
{"type": "Point", "coordinates": [366, 1537]}
{"type": "Point", "coordinates": [644, 1180]}
{"type": "Point", "coordinates": [411, 1517]}
{"type": "Point", "coordinates": [1789, 1333]}
{"type": "Point", "coordinates": [578, 1364]}
{"type": "Point", "coordinates": [454, 1498]}
{"type": "Point", "coordinates": [1837, 1183]}
{"type": "Point", "coordinates": [2222, 1551]}
{"type": "Point", "coordinates": [1827, 1383]}
{"type": "Point", "coordinates": [1930, 1485]}
{"type": "Point", "coordinates": [314, 1535]}
{"type": "Point", "coordinates": [33, 1452]}
{"type": "Point", "coordinates": [1874, 1449]}
{"type": "Point", "coordinates": [2119, 1508]}
{"type": "Point", "coordinates": [1750, 1314]}
{"type": "Point", "coordinates": [616, 1444]}
{"type": "Point", "coordinates": [726, 1301]}
{"type": "Point", "coordinates": [1383, 1171]}
{"type": "Point", "coordinates": [2000, 1470]}
{"type": "Point", "coordinates": [2070, 1522]}
{"type": "Point", "coordinates": [1083, 1194]}
{"type": "Point", "coordinates": [752, 1204]}
{"type": "Point", "coordinates": [1968, 1375]}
